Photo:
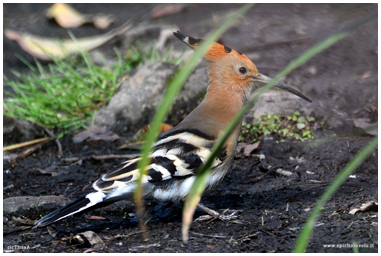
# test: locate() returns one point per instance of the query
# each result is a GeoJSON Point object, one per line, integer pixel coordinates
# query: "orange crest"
{"type": "Point", "coordinates": [215, 52]}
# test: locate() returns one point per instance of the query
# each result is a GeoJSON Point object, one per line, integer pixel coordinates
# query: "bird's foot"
{"type": "Point", "coordinates": [212, 214]}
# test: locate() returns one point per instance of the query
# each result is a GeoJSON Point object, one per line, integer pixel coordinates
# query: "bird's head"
{"type": "Point", "coordinates": [231, 68]}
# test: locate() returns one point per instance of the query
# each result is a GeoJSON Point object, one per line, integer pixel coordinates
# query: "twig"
{"type": "Point", "coordinates": [270, 169]}
{"type": "Point", "coordinates": [207, 223]}
{"type": "Point", "coordinates": [101, 157]}
{"type": "Point", "coordinates": [24, 221]}
{"type": "Point", "coordinates": [24, 144]}
{"type": "Point", "coordinates": [126, 236]}
{"type": "Point", "coordinates": [257, 179]}
{"type": "Point", "coordinates": [255, 234]}
{"type": "Point", "coordinates": [40, 142]}
{"type": "Point", "coordinates": [214, 236]}
{"type": "Point", "coordinates": [145, 223]}
{"type": "Point", "coordinates": [16, 230]}
{"type": "Point", "coordinates": [29, 151]}
{"type": "Point", "coordinates": [59, 148]}
{"type": "Point", "coordinates": [51, 134]}
{"type": "Point", "coordinates": [144, 246]}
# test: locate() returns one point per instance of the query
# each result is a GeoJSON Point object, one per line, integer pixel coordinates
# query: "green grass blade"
{"type": "Point", "coordinates": [198, 187]}
{"type": "Point", "coordinates": [63, 93]}
{"type": "Point", "coordinates": [173, 89]}
{"type": "Point", "coordinates": [304, 236]}
{"type": "Point", "coordinates": [27, 63]}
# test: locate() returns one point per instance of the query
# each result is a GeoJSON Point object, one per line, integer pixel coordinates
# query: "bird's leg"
{"type": "Point", "coordinates": [214, 214]}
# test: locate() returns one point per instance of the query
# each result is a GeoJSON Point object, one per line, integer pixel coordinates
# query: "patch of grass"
{"type": "Point", "coordinates": [68, 92]}
{"type": "Point", "coordinates": [150, 53]}
{"type": "Point", "coordinates": [295, 126]}
{"type": "Point", "coordinates": [36, 206]}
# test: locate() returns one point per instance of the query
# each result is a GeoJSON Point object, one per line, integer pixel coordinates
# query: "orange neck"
{"type": "Point", "coordinates": [219, 107]}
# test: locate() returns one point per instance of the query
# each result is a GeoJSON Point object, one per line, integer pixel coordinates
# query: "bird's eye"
{"type": "Point", "coordinates": [242, 70]}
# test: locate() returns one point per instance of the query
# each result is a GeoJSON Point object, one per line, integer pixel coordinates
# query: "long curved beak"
{"type": "Point", "coordinates": [264, 79]}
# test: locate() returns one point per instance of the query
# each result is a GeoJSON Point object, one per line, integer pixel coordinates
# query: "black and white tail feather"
{"type": "Point", "coordinates": [175, 159]}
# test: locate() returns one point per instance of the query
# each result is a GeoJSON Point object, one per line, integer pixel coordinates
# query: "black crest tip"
{"type": "Point", "coordinates": [179, 35]}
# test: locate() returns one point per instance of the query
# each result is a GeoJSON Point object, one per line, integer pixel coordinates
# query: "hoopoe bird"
{"type": "Point", "coordinates": [181, 150]}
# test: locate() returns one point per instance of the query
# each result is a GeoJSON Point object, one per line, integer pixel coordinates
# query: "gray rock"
{"type": "Point", "coordinates": [17, 131]}
{"type": "Point", "coordinates": [134, 105]}
{"type": "Point", "coordinates": [21, 205]}
{"type": "Point", "coordinates": [280, 103]}
{"type": "Point", "coordinates": [285, 104]}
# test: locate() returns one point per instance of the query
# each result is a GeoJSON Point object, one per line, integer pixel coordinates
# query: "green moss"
{"type": "Point", "coordinates": [295, 126]}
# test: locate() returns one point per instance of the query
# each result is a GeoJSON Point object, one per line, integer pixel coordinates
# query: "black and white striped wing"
{"type": "Point", "coordinates": [175, 157]}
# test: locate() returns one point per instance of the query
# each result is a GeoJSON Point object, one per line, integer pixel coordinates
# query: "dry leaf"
{"type": "Point", "coordinates": [67, 17]}
{"type": "Point", "coordinates": [364, 125]}
{"type": "Point", "coordinates": [103, 21]}
{"type": "Point", "coordinates": [43, 48]}
{"type": "Point", "coordinates": [365, 75]}
{"type": "Point", "coordinates": [95, 241]}
{"type": "Point", "coordinates": [92, 217]}
{"type": "Point", "coordinates": [164, 127]}
{"type": "Point", "coordinates": [95, 133]}
{"type": "Point", "coordinates": [165, 9]}
{"type": "Point", "coordinates": [247, 148]}
{"type": "Point", "coordinates": [165, 34]}
{"type": "Point", "coordinates": [370, 206]}
{"type": "Point", "coordinates": [56, 170]}
{"type": "Point", "coordinates": [354, 210]}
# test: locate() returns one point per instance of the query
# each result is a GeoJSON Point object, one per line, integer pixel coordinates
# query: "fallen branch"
{"type": "Point", "coordinates": [16, 230]}
{"type": "Point", "coordinates": [51, 134]}
{"type": "Point", "coordinates": [27, 143]}
{"type": "Point", "coordinates": [39, 142]}
{"type": "Point", "coordinates": [126, 236]}
{"type": "Point", "coordinates": [245, 237]}
{"type": "Point", "coordinates": [24, 221]}
{"type": "Point", "coordinates": [140, 247]}
{"type": "Point", "coordinates": [26, 152]}
{"type": "Point", "coordinates": [257, 179]}
{"type": "Point", "coordinates": [214, 236]}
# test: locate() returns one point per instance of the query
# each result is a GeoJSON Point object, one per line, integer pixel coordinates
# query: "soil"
{"type": "Point", "coordinates": [341, 81]}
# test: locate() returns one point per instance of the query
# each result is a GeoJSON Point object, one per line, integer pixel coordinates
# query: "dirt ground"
{"type": "Point", "coordinates": [341, 81]}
